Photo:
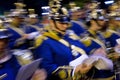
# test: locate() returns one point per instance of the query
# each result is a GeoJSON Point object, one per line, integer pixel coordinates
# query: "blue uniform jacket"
{"type": "Point", "coordinates": [79, 30]}
{"type": "Point", "coordinates": [36, 26]}
{"type": "Point", "coordinates": [56, 54]}
{"type": "Point", "coordinates": [14, 35]}
{"type": "Point", "coordinates": [9, 67]}
{"type": "Point", "coordinates": [112, 39]}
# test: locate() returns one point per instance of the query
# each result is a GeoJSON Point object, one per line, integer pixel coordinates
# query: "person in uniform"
{"type": "Point", "coordinates": [9, 65]}
{"type": "Point", "coordinates": [20, 41]}
{"type": "Point", "coordinates": [93, 30]}
{"type": "Point", "coordinates": [114, 24]}
{"type": "Point", "coordinates": [108, 39]}
{"type": "Point", "coordinates": [48, 49]}
{"type": "Point", "coordinates": [111, 41]}
{"type": "Point", "coordinates": [34, 21]}
{"type": "Point", "coordinates": [77, 25]}
{"type": "Point", "coordinates": [19, 32]}
{"type": "Point", "coordinates": [58, 59]}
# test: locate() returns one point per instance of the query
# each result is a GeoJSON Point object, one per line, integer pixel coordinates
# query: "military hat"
{"type": "Point", "coordinates": [33, 16]}
{"type": "Point", "coordinates": [18, 11]}
{"type": "Point", "coordinates": [97, 15]}
{"type": "Point", "coordinates": [59, 13]}
{"type": "Point", "coordinates": [72, 3]}
{"type": "Point", "coordinates": [16, 14]}
{"type": "Point", "coordinates": [19, 5]}
{"type": "Point", "coordinates": [32, 13]}
{"type": "Point", "coordinates": [62, 19]}
{"type": "Point", "coordinates": [75, 9]}
{"type": "Point", "coordinates": [102, 18]}
{"type": "Point", "coordinates": [61, 16]}
{"type": "Point", "coordinates": [45, 10]}
{"type": "Point", "coordinates": [114, 15]}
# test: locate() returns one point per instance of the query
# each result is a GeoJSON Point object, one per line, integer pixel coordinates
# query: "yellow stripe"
{"type": "Point", "coordinates": [17, 30]}
{"type": "Point", "coordinates": [54, 36]}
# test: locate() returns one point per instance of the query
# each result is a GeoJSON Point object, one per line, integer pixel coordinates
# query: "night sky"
{"type": "Point", "coordinates": [6, 5]}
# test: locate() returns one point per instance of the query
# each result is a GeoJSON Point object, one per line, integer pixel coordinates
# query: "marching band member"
{"type": "Point", "coordinates": [60, 59]}
{"type": "Point", "coordinates": [9, 65]}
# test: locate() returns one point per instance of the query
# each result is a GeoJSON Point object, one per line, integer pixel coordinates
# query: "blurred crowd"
{"type": "Point", "coordinates": [74, 44]}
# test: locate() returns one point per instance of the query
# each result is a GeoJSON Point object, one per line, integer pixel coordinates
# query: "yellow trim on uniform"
{"type": "Point", "coordinates": [52, 34]}
{"type": "Point", "coordinates": [112, 28]}
{"type": "Point", "coordinates": [43, 37]}
{"type": "Point", "coordinates": [115, 32]}
{"type": "Point", "coordinates": [39, 40]}
{"type": "Point", "coordinates": [62, 74]}
{"type": "Point", "coordinates": [107, 34]}
{"type": "Point", "coordinates": [87, 42]}
{"type": "Point", "coordinates": [92, 32]}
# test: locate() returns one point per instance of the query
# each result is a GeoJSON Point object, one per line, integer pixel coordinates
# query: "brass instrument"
{"type": "Point", "coordinates": [55, 5]}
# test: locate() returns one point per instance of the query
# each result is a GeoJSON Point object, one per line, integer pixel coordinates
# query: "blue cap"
{"type": "Point", "coordinates": [102, 18]}
{"type": "Point", "coordinates": [17, 13]}
{"type": "Point", "coordinates": [61, 15]}
{"type": "Point", "coordinates": [61, 18]}
{"type": "Point", "coordinates": [64, 19]}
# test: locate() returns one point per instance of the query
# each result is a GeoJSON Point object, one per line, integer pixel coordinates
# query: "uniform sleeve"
{"type": "Point", "coordinates": [30, 29]}
{"type": "Point", "coordinates": [14, 39]}
{"type": "Point", "coordinates": [14, 64]}
{"type": "Point", "coordinates": [16, 43]}
{"type": "Point", "coordinates": [113, 39]}
{"type": "Point", "coordinates": [44, 51]}
{"type": "Point", "coordinates": [91, 45]}
{"type": "Point", "coordinates": [77, 29]}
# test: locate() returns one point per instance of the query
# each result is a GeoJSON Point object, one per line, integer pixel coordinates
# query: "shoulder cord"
{"type": "Point", "coordinates": [19, 31]}
{"type": "Point", "coordinates": [66, 43]}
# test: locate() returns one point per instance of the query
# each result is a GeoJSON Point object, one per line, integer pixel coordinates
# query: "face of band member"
{"type": "Point", "coordinates": [62, 26]}
{"type": "Point", "coordinates": [76, 15]}
{"type": "Point", "coordinates": [92, 24]}
{"type": "Point", "coordinates": [17, 20]}
{"type": "Point", "coordinates": [3, 45]}
{"type": "Point", "coordinates": [33, 20]}
{"type": "Point", "coordinates": [102, 24]}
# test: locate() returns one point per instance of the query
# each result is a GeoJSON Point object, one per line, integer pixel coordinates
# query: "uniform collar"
{"type": "Point", "coordinates": [92, 33]}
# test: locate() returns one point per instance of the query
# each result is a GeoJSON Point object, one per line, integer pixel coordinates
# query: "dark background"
{"type": "Point", "coordinates": [6, 5]}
